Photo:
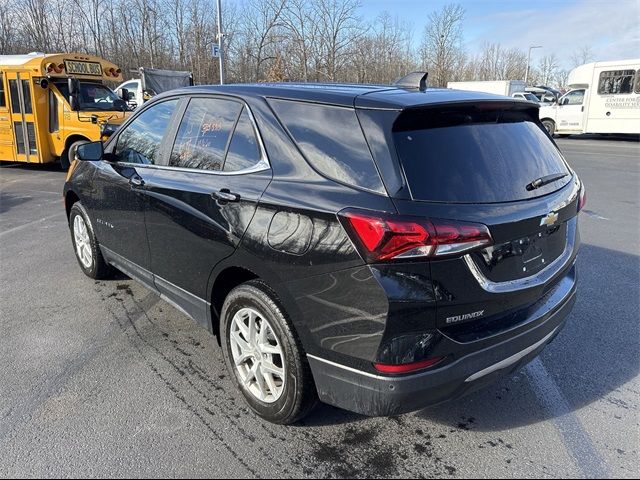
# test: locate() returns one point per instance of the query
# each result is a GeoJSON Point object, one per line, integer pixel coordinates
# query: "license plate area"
{"type": "Point", "coordinates": [524, 256]}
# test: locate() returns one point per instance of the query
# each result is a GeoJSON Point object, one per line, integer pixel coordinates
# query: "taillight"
{"type": "Point", "coordinates": [382, 236]}
{"type": "Point", "coordinates": [406, 367]}
{"type": "Point", "coordinates": [583, 198]}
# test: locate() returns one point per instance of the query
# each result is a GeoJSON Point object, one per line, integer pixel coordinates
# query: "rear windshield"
{"type": "Point", "coordinates": [475, 156]}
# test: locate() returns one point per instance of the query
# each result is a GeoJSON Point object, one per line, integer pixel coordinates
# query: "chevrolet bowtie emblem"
{"type": "Point", "coordinates": [549, 219]}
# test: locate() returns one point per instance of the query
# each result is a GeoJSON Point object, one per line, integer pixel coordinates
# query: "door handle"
{"type": "Point", "coordinates": [582, 109]}
{"type": "Point", "coordinates": [136, 181]}
{"type": "Point", "coordinates": [224, 195]}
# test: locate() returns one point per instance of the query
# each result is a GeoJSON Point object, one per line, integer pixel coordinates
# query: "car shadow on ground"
{"type": "Point", "coordinates": [41, 167]}
{"type": "Point", "coordinates": [591, 359]}
{"type": "Point", "coordinates": [12, 200]}
{"type": "Point", "coordinates": [604, 137]}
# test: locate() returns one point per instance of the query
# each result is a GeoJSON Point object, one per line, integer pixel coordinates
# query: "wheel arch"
{"type": "Point", "coordinates": [74, 137]}
{"type": "Point", "coordinates": [225, 281]}
{"type": "Point", "coordinates": [70, 198]}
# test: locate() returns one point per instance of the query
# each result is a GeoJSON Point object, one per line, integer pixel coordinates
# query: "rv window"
{"type": "Point", "coordinates": [637, 83]}
{"type": "Point", "coordinates": [616, 82]}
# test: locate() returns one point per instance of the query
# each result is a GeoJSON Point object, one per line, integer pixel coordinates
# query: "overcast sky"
{"type": "Point", "coordinates": [610, 27]}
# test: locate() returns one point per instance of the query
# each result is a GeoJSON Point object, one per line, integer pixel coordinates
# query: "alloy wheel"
{"type": "Point", "coordinates": [257, 355]}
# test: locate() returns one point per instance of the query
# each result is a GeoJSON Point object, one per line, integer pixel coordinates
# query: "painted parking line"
{"type": "Point", "coordinates": [576, 439]}
{"type": "Point", "coordinates": [28, 224]}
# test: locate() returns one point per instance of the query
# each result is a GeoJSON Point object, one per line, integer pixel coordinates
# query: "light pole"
{"type": "Point", "coordinates": [220, 42]}
{"type": "Point", "coordinates": [526, 74]}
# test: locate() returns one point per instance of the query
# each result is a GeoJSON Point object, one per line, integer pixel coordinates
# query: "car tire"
{"type": "Point", "coordinates": [289, 395]}
{"type": "Point", "coordinates": [85, 244]}
{"type": "Point", "coordinates": [68, 155]}
{"type": "Point", "coordinates": [550, 125]}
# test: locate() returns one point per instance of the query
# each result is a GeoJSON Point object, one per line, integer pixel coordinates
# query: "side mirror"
{"type": "Point", "coordinates": [107, 129]}
{"type": "Point", "coordinates": [121, 105]}
{"type": "Point", "coordinates": [90, 152]}
{"type": "Point", "coordinates": [73, 85]}
{"type": "Point", "coordinates": [74, 102]}
{"type": "Point", "coordinates": [123, 93]}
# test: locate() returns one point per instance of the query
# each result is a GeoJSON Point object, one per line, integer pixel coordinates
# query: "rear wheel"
{"type": "Point", "coordinates": [85, 244]}
{"type": "Point", "coordinates": [264, 355]}
{"type": "Point", "coordinates": [69, 154]}
{"type": "Point", "coordinates": [550, 125]}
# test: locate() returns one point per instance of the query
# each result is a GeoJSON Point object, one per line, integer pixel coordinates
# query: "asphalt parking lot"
{"type": "Point", "coordinates": [105, 379]}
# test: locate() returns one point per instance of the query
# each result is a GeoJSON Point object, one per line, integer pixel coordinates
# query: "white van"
{"type": "Point", "coordinates": [498, 87]}
{"type": "Point", "coordinates": [604, 98]}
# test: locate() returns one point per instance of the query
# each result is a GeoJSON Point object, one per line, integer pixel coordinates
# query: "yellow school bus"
{"type": "Point", "coordinates": [50, 104]}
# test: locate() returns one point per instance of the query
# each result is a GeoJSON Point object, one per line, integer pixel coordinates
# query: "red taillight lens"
{"type": "Point", "coordinates": [583, 198]}
{"type": "Point", "coordinates": [406, 367]}
{"type": "Point", "coordinates": [384, 236]}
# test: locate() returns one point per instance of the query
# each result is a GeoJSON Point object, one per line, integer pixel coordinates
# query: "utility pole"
{"type": "Point", "coordinates": [526, 74]}
{"type": "Point", "coordinates": [220, 43]}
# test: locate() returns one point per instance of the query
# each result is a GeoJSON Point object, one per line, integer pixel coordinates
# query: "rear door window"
{"type": "Point", "coordinates": [332, 141]}
{"type": "Point", "coordinates": [202, 139]}
{"type": "Point", "coordinates": [467, 155]}
{"type": "Point", "coordinates": [244, 151]}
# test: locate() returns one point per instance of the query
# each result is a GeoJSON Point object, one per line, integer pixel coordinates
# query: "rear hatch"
{"type": "Point", "coordinates": [490, 163]}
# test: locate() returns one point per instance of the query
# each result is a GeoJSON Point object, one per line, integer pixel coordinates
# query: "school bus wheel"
{"type": "Point", "coordinates": [69, 154]}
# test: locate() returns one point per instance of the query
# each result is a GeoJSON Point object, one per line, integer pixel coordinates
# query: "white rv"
{"type": "Point", "coordinates": [499, 87]}
{"type": "Point", "coordinates": [604, 98]}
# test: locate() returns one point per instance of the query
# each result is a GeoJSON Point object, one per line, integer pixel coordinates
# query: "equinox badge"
{"type": "Point", "coordinates": [549, 219]}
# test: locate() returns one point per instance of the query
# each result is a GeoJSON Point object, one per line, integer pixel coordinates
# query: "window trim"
{"type": "Point", "coordinates": [262, 165]}
{"type": "Point", "coordinates": [183, 101]}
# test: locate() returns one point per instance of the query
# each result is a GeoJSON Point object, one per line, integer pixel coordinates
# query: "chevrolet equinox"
{"type": "Point", "coordinates": [376, 248]}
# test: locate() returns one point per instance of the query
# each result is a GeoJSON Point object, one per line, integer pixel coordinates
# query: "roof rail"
{"type": "Point", "coordinates": [413, 80]}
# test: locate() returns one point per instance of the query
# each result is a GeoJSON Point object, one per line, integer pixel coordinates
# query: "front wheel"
{"type": "Point", "coordinates": [85, 244]}
{"type": "Point", "coordinates": [550, 125]}
{"type": "Point", "coordinates": [264, 355]}
{"type": "Point", "coordinates": [69, 154]}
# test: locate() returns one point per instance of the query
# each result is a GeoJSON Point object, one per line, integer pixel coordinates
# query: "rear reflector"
{"type": "Point", "coordinates": [382, 236]}
{"type": "Point", "coordinates": [583, 198]}
{"type": "Point", "coordinates": [406, 367]}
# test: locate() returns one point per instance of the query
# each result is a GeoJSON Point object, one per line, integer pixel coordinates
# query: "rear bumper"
{"type": "Point", "coordinates": [375, 395]}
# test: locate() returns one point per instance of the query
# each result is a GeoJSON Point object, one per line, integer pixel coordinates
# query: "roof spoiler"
{"type": "Point", "coordinates": [413, 80]}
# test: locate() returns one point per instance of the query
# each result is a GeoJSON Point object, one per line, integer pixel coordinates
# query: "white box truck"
{"type": "Point", "coordinates": [604, 97]}
{"type": "Point", "coordinates": [153, 82]}
{"type": "Point", "coordinates": [498, 87]}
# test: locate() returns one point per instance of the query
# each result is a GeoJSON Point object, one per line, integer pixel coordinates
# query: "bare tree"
{"type": "Point", "coordinates": [309, 40]}
{"type": "Point", "coordinates": [582, 55]}
{"type": "Point", "coordinates": [339, 27]}
{"type": "Point", "coordinates": [442, 43]}
{"type": "Point", "coordinates": [547, 69]}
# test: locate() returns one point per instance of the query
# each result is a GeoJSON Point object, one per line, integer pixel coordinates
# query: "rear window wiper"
{"type": "Point", "coordinates": [539, 182]}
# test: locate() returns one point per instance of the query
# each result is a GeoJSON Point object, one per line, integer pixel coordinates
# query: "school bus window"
{"type": "Point", "coordinates": [54, 125]}
{"type": "Point", "coordinates": [15, 98]}
{"type": "Point", "coordinates": [26, 95]}
{"type": "Point", "coordinates": [3, 101]}
{"type": "Point", "coordinates": [93, 96]}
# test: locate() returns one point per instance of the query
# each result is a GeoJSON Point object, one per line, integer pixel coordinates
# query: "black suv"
{"type": "Point", "coordinates": [377, 248]}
